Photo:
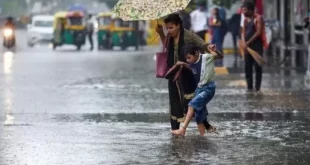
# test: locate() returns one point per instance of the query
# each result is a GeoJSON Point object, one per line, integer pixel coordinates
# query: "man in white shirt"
{"type": "Point", "coordinates": [199, 21]}
{"type": "Point", "coordinates": [90, 31]}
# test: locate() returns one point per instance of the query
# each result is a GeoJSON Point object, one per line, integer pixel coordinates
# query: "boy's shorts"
{"type": "Point", "coordinates": [202, 97]}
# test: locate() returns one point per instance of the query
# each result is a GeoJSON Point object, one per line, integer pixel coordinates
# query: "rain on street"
{"type": "Point", "coordinates": [107, 107]}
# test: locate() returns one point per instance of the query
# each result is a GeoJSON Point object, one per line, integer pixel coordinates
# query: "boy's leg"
{"type": "Point", "coordinates": [198, 105]}
{"type": "Point", "coordinates": [188, 118]}
{"type": "Point", "coordinates": [201, 117]}
{"type": "Point", "coordinates": [201, 129]}
{"type": "Point", "coordinates": [206, 124]}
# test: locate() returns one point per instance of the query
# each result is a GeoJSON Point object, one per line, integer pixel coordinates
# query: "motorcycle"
{"type": "Point", "coordinates": [8, 38]}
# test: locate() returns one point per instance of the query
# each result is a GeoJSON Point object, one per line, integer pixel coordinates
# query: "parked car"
{"type": "Point", "coordinates": [40, 30]}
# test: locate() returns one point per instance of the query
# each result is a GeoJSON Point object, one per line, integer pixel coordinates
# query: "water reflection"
{"type": "Point", "coordinates": [162, 117]}
{"type": "Point", "coordinates": [7, 70]}
{"type": "Point", "coordinates": [7, 62]}
{"type": "Point", "coordinates": [188, 150]}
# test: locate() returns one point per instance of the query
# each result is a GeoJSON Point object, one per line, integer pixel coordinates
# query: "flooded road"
{"type": "Point", "coordinates": [68, 107]}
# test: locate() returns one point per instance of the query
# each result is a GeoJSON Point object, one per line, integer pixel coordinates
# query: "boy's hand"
{"type": "Point", "coordinates": [212, 48]}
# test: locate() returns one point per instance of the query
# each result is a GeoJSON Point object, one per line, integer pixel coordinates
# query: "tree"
{"type": "Point", "coordinates": [227, 3]}
{"type": "Point", "coordinates": [110, 3]}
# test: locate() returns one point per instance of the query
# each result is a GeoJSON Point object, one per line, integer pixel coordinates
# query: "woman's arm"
{"type": "Point", "coordinates": [198, 41]}
{"type": "Point", "coordinates": [184, 64]}
{"type": "Point", "coordinates": [219, 23]}
{"type": "Point", "coordinates": [160, 32]}
{"type": "Point", "coordinates": [162, 37]}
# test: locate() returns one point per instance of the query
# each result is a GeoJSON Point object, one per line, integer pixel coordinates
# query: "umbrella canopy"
{"type": "Point", "coordinates": [147, 9]}
{"type": "Point", "coordinates": [77, 7]}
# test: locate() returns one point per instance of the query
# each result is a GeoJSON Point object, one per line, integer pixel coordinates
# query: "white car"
{"type": "Point", "coordinates": [40, 30]}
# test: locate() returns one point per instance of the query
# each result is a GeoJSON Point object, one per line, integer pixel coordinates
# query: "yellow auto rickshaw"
{"type": "Point", "coordinates": [69, 29]}
{"type": "Point", "coordinates": [104, 34]}
{"type": "Point", "coordinates": [124, 34]}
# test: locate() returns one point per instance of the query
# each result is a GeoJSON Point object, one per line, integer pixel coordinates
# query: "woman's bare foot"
{"type": "Point", "coordinates": [179, 132]}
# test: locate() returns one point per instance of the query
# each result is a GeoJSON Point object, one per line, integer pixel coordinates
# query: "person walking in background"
{"type": "Point", "coordinates": [251, 37]}
{"type": "Point", "coordinates": [186, 19]}
{"type": "Point", "coordinates": [218, 31]}
{"type": "Point", "coordinates": [141, 32]}
{"type": "Point", "coordinates": [90, 31]}
{"type": "Point", "coordinates": [234, 29]}
{"type": "Point", "coordinates": [199, 20]}
{"type": "Point", "coordinates": [222, 11]}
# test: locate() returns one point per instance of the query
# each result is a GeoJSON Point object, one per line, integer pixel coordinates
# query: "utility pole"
{"type": "Point", "coordinates": [28, 6]}
{"type": "Point", "coordinates": [308, 70]}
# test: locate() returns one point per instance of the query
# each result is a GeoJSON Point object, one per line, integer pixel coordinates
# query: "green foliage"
{"type": "Point", "coordinates": [12, 7]}
{"type": "Point", "coordinates": [110, 3]}
{"type": "Point", "coordinates": [227, 3]}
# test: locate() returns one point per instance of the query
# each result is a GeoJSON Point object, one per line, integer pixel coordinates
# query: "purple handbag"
{"type": "Point", "coordinates": [162, 61]}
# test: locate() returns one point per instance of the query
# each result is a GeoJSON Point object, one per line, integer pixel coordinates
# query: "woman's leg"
{"type": "Point", "coordinates": [176, 110]}
{"type": "Point", "coordinates": [175, 125]}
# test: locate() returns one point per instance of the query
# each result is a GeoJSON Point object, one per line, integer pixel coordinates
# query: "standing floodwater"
{"type": "Point", "coordinates": [68, 107]}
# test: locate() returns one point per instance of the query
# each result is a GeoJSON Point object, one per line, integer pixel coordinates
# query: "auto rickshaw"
{"type": "Point", "coordinates": [105, 26]}
{"type": "Point", "coordinates": [124, 34]}
{"type": "Point", "coordinates": [69, 29]}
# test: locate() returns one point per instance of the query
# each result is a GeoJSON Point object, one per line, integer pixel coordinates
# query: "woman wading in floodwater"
{"type": "Point", "coordinates": [182, 90]}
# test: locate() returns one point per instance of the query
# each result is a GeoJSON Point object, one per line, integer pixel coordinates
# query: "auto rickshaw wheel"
{"type": "Point", "coordinates": [78, 47]}
{"type": "Point", "coordinates": [100, 47]}
{"type": "Point", "coordinates": [30, 45]}
{"type": "Point", "coordinates": [54, 46]}
{"type": "Point", "coordinates": [123, 46]}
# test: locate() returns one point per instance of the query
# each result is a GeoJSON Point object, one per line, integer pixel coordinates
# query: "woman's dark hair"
{"type": "Point", "coordinates": [250, 5]}
{"type": "Point", "coordinates": [174, 18]}
{"type": "Point", "coordinates": [217, 10]}
{"type": "Point", "coordinates": [191, 48]}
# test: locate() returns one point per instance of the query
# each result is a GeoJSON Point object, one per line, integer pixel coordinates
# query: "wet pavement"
{"type": "Point", "coordinates": [68, 107]}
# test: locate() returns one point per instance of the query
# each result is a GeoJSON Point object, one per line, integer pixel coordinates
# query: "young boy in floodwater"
{"type": "Point", "coordinates": [202, 66]}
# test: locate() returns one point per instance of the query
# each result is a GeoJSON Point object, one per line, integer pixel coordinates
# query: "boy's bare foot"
{"type": "Point", "coordinates": [179, 132]}
{"type": "Point", "coordinates": [211, 129]}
